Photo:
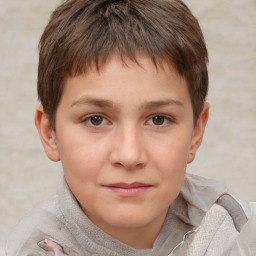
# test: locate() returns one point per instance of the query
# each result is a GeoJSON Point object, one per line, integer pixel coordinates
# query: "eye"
{"type": "Point", "coordinates": [159, 120]}
{"type": "Point", "coordinates": [95, 120]}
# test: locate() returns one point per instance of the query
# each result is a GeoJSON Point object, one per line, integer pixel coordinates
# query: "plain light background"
{"type": "Point", "coordinates": [228, 152]}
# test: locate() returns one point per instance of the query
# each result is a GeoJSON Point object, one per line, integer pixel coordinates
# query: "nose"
{"type": "Point", "coordinates": [128, 149]}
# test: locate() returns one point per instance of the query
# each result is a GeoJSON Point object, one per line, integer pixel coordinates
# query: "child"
{"type": "Point", "coordinates": [122, 86]}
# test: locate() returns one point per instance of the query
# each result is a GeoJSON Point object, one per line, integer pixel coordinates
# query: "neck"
{"type": "Point", "coordinates": [139, 239]}
{"type": "Point", "coordinates": [142, 237]}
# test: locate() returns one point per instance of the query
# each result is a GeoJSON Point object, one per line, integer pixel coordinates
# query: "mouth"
{"type": "Point", "coordinates": [129, 189]}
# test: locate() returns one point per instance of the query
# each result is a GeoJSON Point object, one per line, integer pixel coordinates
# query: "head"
{"type": "Point", "coordinates": [82, 34]}
{"type": "Point", "coordinates": [123, 85]}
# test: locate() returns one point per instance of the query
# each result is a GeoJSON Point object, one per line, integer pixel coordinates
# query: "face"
{"type": "Point", "coordinates": [125, 136]}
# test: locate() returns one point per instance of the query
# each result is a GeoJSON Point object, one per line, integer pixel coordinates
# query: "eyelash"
{"type": "Point", "coordinates": [104, 121]}
{"type": "Point", "coordinates": [88, 120]}
{"type": "Point", "coordinates": [167, 120]}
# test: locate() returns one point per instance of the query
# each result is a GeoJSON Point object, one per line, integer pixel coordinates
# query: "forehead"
{"type": "Point", "coordinates": [117, 65]}
{"type": "Point", "coordinates": [140, 59]}
{"type": "Point", "coordinates": [130, 83]}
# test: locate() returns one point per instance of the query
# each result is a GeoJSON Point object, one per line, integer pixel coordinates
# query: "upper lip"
{"type": "Point", "coordinates": [128, 185]}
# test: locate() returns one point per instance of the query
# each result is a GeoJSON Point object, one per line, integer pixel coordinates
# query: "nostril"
{"type": "Point", "coordinates": [129, 166]}
{"type": "Point", "coordinates": [118, 164]}
{"type": "Point", "coordinates": [140, 165]}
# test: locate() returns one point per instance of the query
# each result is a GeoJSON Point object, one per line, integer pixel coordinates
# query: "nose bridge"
{"type": "Point", "coordinates": [128, 147]}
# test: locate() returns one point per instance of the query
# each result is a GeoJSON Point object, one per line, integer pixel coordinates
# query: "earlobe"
{"type": "Point", "coordinates": [198, 132]}
{"type": "Point", "coordinates": [47, 134]}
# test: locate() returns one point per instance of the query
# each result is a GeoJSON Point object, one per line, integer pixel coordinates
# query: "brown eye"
{"type": "Point", "coordinates": [96, 120]}
{"type": "Point", "coordinates": [158, 120]}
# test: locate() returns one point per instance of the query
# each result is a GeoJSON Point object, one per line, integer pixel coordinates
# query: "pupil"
{"type": "Point", "coordinates": [158, 120]}
{"type": "Point", "coordinates": [96, 120]}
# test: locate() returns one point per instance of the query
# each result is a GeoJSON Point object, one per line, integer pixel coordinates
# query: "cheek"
{"type": "Point", "coordinates": [172, 153]}
{"type": "Point", "coordinates": [81, 156]}
{"type": "Point", "coordinates": [170, 159]}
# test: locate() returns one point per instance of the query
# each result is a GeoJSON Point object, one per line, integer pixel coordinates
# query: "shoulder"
{"type": "Point", "coordinates": [242, 216]}
{"type": "Point", "coordinates": [245, 243]}
{"type": "Point", "coordinates": [222, 233]}
{"type": "Point", "coordinates": [222, 213]}
{"type": "Point", "coordinates": [40, 223]}
{"type": "Point", "coordinates": [214, 236]}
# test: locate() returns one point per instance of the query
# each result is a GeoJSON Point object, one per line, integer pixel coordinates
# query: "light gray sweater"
{"type": "Point", "coordinates": [203, 220]}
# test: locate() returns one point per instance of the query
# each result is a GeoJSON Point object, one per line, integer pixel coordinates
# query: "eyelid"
{"type": "Point", "coordinates": [86, 119]}
{"type": "Point", "coordinates": [167, 117]}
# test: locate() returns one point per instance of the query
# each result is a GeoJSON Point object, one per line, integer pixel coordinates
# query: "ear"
{"type": "Point", "coordinates": [47, 134]}
{"type": "Point", "coordinates": [198, 132]}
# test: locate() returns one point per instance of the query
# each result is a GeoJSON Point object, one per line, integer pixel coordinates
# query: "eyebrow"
{"type": "Point", "coordinates": [106, 103]}
{"type": "Point", "coordinates": [162, 103]}
{"type": "Point", "coordinates": [92, 101]}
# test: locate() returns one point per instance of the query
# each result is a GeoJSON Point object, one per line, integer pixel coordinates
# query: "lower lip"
{"type": "Point", "coordinates": [129, 192]}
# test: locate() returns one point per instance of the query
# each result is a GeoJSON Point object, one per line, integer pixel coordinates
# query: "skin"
{"type": "Point", "coordinates": [127, 124]}
{"type": "Point", "coordinates": [49, 245]}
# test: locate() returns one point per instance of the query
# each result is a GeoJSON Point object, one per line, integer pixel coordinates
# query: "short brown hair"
{"type": "Point", "coordinates": [82, 33]}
